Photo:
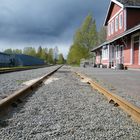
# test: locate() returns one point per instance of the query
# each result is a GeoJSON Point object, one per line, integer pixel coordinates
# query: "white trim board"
{"type": "Point", "coordinates": [115, 15]}
{"type": "Point", "coordinates": [116, 2]}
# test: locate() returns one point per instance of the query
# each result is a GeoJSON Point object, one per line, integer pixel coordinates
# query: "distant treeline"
{"type": "Point", "coordinates": [51, 56]}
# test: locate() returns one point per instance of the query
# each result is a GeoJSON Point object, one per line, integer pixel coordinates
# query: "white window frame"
{"type": "Point", "coordinates": [117, 51]}
{"type": "Point", "coordinates": [132, 48]}
{"type": "Point", "coordinates": [116, 23]}
{"type": "Point", "coordinates": [112, 27]}
{"type": "Point", "coordinates": [105, 53]}
{"type": "Point", "coordinates": [120, 20]}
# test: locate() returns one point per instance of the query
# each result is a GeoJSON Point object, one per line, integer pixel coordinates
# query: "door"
{"type": "Point", "coordinates": [121, 54]}
{"type": "Point", "coordinates": [136, 50]}
{"type": "Point", "coordinates": [112, 56]}
{"type": "Point", "coordinates": [136, 53]}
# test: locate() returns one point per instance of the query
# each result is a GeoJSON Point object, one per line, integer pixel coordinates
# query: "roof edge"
{"type": "Point", "coordinates": [114, 1]}
{"type": "Point", "coordinates": [134, 29]}
{"type": "Point", "coordinates": [99, 46]}
{"type": "Point", "coordinates": [118, 3]}
{"type": "Point", "coordinates": [132, 6]}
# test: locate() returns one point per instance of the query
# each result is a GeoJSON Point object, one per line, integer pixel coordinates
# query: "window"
{"type": "Point", "coordinates": [105, 52]}
{"type": "Point", "coordinates": [136, 39]}
{"type": "Point", "coordinates": [112, 27]}
{"type": "Point", "coordinates": [117, 51]}
{"type": "Point", "coordinates": [116, 23]}
{"type": "Point", "coordinates": [120, 21]}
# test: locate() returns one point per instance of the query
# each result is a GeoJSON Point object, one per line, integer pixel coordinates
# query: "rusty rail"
{"type": "Point", "coordinates": [128, 107]}
{"type": "Point", "coordinates": [24, 91]}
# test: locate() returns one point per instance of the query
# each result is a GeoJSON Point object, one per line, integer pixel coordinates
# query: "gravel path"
{"type": "Point", "coordinates": [12, 81]}
{"type": "Point", "coordinates": [124, 83]}
{"type": "Point", "coordinates": [70, 111]}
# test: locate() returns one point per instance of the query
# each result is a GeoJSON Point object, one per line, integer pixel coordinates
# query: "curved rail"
{"type": "Point", "coordinates": [129, 108]}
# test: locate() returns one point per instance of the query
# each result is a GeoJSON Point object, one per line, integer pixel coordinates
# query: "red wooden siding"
{"type": "Point", "coordinates": [105, 62]}
{"type": "Point", "coordinates": [127, 52]}
{"type": "Point", "coordinates": [136, 54]}
{"type": "Point", "coordinates": [98, 57]}
{"type": "Point", "coordinates": [115, 9]}
{"type": "Point", "coordinates": [133, 17]}
{"type": "Point", "coordinates": [116, 33]}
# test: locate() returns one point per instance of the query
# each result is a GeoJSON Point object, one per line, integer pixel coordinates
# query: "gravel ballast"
{"type": "Point", "coordinates": [13, 81]}
{"type": "Point", "coordinates": [125, 83]}
{"type": "Point", "coordinates": [67, 109]}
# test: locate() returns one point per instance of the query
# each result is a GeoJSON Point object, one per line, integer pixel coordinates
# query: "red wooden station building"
{"type": "Point", "coordinates": [122, 47]}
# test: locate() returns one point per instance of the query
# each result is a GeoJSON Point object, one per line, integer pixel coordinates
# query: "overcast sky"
{"type": "Point", "coordinates": [49, 23]}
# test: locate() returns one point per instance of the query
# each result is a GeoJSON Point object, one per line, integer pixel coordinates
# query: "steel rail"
{"type": "Point", "coordinates": [129, 108]}
{"type": "Point", "coordinates": [24, 91]}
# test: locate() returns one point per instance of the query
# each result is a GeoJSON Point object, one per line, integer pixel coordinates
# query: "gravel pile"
{"type": "Point", "coordinates": [12, 81]}
{"type": "Point", "coordinates": [123, 83]}
{"type": "Point", "coordinates": [68, 109]}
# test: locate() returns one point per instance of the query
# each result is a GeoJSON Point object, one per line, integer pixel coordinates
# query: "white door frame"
{"type": "Point", "coordinates": [132, 49]}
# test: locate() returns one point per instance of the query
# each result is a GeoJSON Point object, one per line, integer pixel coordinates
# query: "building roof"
{"type": "Point", "coordinates": [122, 4]}
{"type": "Point", "coordinates": [1, 53]}
{"type": "Point", "coordinates": [26, 60]}
{"type": "Point", "coordinates": [130, 2]}
{"type": "Point", "coordinates": [132, 30]}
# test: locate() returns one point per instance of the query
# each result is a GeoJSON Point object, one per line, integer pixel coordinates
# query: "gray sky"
{"type": "Point", "coordinates": [49, 23]}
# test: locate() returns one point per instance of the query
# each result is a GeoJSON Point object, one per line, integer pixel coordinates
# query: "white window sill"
{"type": "Point", "coordinates": [104, 58]}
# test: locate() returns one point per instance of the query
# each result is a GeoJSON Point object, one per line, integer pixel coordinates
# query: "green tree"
{"type": "Point", "coordinates": [102, 35]}
{"type": "Point", "coordinates": [85, 39]}
{"type": "Point", "coordinates": [50, 56]}
{"type": "Point", "coordinates": [86, 35]}
{"type": "Point", "coordinates": [29, 51]}
{"type": "Point", "coordinates": [61, 59]}
{"type": "Point", "coordinates": [76, 53]}
{"type": "Point", "coordinates": [44, 54]}
{"type": "Point", "coordinates": [39, 52]}
{"type": "Point", "coordinates": [8, 51]}
{"type": "Point", "coordinates": [17, 51]}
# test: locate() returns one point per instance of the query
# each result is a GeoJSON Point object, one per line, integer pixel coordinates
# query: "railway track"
{"type": "Point", "coordinates": [14, 98]}
{"type": "Point", "coordinates": [132, 110]}
{"type": "Point", "coordinates": [2, 71]}
{"type": "Point", "coordinates": [65, 107]}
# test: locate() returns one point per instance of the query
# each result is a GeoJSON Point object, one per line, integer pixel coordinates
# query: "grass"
{"type": "Point", "coordinates": [19, 67]}
{"type": "Point", "coordinates": [75, 65]}
{"type": "Point", "coordinates": [20, 81]}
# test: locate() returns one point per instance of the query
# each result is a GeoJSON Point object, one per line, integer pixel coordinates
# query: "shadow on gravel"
{"type": "Point", "coordinates": [63, 71]}
{"type": "Point", "coordinates": [14, 108]}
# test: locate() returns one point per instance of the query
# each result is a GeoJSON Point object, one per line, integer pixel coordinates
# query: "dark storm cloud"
{"type": "Point", "coordinates": [47, 20]}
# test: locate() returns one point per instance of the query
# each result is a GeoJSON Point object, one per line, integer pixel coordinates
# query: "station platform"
{"type": "Point", "coordinates": [125, 83]}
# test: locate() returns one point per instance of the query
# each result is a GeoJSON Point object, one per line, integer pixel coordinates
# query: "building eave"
{"type": "Point", "coordinates": [118, 3]}
{"type": "Point", "coordinates": [98, 47]}
{"type": "Point", "coordinates": [132, 6]}
{"type": "Point", "coordinates": [134, 29]}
